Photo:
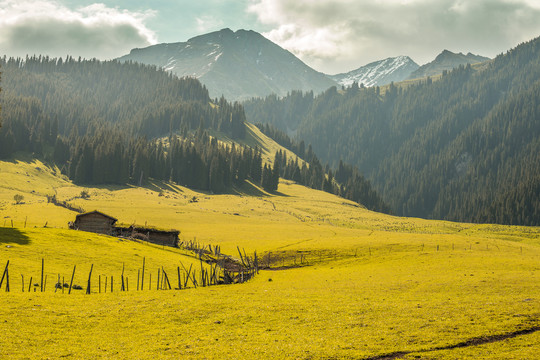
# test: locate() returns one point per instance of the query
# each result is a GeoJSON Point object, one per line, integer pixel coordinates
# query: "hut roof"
{"type": "Point", "coordinates": [156, 231]}
{"type": "Point", "coordinates": [96, 212]}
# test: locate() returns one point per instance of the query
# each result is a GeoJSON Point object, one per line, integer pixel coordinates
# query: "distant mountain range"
{"type": "Point", "coordinates": [379, 72]}
{"type": "Point", "coordinates": [238, 65]}
{"type": "Point", "coordinates": [446, 60]}
{"type": "Point", "coordinates": [244, 64]}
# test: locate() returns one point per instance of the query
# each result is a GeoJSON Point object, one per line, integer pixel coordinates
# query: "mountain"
{"type": "Point", "coordinates": [379, 72]}
{"type": "Point", "coordinates": [446, 60]}
{"type": "Point", "coordinates": [463, 148]}
{"type": "Point", "coordinates": [238, 65]}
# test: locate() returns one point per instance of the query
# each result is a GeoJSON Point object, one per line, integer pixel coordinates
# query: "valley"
{"type": "Point", "coordinates": [370, 285]}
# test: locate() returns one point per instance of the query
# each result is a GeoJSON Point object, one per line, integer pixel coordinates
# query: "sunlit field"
{"type": "Point", "coordinates": [338, 281]}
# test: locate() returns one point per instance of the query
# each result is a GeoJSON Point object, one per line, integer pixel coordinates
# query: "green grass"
{"type": "Point", "coordinates": [61, 250]}
{"type": "Point", "coordinates": [368, 285]}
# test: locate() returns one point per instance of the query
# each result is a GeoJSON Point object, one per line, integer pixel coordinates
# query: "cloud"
{"type": "Point", "coordinates": [49, 28]}
{"type": "Point", "coordinates": [206, 23]}
{"type": "Point", "coordinates": [340, 35]}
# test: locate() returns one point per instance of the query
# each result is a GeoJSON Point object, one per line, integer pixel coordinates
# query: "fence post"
{"type": "Point", "coordinates": [42, 269]}
{"type": "Point", "coordinates": [179, 281]}
{"type": "Point", "coordinates": [4, 274]}
{"type": "Point", "coordinates": [142, 277]}
{"type": "Point", "coordinates": [7, 279]}
{"type": "Point", "coordinates": [71, 282]}
{"type": "Point", "coordinates": [123, 285]}
{"type": "Point", "coordinates": [202, 275]}
{"type": "Point", "coordinates": [167, 279]}
{"type": "Point", "coordinates": [89, 278]}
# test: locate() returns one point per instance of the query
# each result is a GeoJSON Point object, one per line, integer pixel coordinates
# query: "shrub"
{"type": "Point", "coordinates": [18, 198]}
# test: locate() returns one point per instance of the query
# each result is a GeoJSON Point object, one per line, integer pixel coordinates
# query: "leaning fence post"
{"type": "Point", "coordinates": [71, 282]}
{"type": "Point", "coordinates": [167, 279]}
{"type": "Point", "coordinates": [123, 285]}
{"type": "Point", "coordinates": [7, 279]}
{"type": "Point", "coordinates": [89, 278]}
{"type": "Point", "coordinates": [4, 274]}
{"type": "Point", "coordinates": [241, 257]}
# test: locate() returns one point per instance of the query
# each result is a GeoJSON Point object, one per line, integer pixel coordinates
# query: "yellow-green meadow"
{"type": "Point", "coordinates": [343, 283]}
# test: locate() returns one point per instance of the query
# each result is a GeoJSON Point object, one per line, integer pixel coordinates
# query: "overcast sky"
{"type": "Point", "coordinates": [330, 35]}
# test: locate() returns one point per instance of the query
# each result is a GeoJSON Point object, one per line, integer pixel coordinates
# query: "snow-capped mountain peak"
{"type": "Point", "coordinates": [239, 65]}
{"type": "Point", "coordinates": [380, 72]}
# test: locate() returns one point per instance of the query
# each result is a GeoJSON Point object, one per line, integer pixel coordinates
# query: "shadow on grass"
{"type": "Point", "coordinates": [13, 236]}
{"type": "Point", "coordinates": [245, 189]}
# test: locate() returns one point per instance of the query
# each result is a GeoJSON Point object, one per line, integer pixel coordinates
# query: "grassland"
{"type": "Point", "coordinates": [344, 282]}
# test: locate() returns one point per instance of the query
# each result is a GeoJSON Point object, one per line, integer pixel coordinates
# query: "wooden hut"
{"type": "Point", "coordinates": [96, 222]}
{"type": "Point", "coordinates": [160, 237]}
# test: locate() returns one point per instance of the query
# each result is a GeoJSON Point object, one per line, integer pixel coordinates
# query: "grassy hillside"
{"type": "Point", "coordinates": [344, 282]}
{"type": "Point", "coordinates": [255, 138]}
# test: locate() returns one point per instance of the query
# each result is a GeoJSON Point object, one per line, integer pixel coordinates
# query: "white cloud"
{"type": "Point", "coordinates": [49, 28]}
{"type": "Point", "coordinates": [340, 35]}
{"type": "Point", "coordinates": [207, 23]}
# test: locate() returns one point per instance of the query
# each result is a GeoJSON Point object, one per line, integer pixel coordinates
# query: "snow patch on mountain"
{"type": "Point", "coordinates": [379, 72]}
{"type": "Point", "coordinates": [238, 65]}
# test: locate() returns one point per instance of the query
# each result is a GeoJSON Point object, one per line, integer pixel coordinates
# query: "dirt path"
{"type": "Point", "coordinates": [471, 342]}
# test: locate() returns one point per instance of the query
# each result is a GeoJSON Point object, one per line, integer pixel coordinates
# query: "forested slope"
{"type": "Point", "coordinates": [463, 148]}
{"type": "Point", "coordinates": [118, 123]}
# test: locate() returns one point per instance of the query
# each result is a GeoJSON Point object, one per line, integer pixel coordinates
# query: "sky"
{"type": "Point", "coordinates": [331, 36]}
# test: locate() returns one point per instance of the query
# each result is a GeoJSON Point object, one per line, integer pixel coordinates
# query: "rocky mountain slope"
{"type": "Point", "coordinates": [238, 65]}
{"type": "Point", "coordinates": [379, 72]}
{"type": "Point", "coordinates": [446, 60]}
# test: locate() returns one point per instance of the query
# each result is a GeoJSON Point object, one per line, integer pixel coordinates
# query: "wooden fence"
{"type": "Point", "coordinates": [222, 269]}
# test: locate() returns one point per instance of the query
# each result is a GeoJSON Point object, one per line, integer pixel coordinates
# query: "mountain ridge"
{"type": "Point", "coordinates": [446, 60]}
{"type": "Point", "coordinates": [377, 73]}
{"type": "Point", "coordinates": [238, 65]}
